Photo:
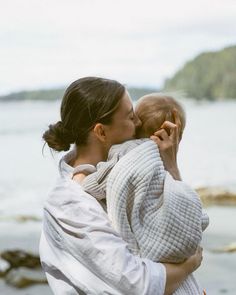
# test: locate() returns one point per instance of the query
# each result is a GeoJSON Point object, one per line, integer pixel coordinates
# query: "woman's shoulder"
{"type": "Point", "coordinates": [68, 197]}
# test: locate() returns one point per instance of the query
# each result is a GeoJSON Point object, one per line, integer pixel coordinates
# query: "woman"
{"type": "Point", "coordinates": [79, 250]}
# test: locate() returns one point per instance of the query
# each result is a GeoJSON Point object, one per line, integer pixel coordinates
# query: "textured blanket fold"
{"type": "Point", "coordinates": [159, 217]}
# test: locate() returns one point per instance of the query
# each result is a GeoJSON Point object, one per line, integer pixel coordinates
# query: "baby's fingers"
{"type": "Point", "coordinates": [171, 129]}
{"type": "Point", "coordinates": [156, 139]}
{"type": "Point", "coordinates": [162, 134]}
{"type": "Point", "coordinates": [169, 125]}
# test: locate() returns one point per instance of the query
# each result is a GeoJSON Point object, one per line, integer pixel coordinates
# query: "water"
{"type": "Point", "coordinates": [26, 174]}
{"type": "Point", "coordinates": [207, 157]}
{"type": "Point", "coordinates": [208, 151]}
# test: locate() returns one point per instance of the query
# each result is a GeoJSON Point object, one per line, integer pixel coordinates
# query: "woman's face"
{"type": "Point", "coordinates": [124, 122]}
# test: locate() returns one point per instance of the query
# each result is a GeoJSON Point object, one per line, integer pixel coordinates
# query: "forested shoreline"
{"type": "Point", "coordinates": [54, 94]}
{"type": "Point", "coordinates": [210, 75]}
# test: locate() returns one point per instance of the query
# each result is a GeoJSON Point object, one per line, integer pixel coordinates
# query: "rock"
{"type": "Point", "coordinates": [21, 269]}
{"type": "Point", "coordinates": [228, 249]}
{"type": "Point", "coordinates": [25, 218]}
{"type": "Point", "coordinates": [216, 196]}
{"type": "Point", "coordinates": [4, 267]}
{"type": "Point", "coordinates": [21, 218]}
{"type": "Point", "coordinates": [20, 258]}
{"type": "Point", "coordinates": [22, 277]}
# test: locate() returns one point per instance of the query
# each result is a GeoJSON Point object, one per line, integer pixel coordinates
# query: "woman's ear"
{"type": "Point", "coordinates": [99, 131]}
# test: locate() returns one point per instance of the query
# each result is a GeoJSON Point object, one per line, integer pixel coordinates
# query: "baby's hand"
{"type": "Point", "coordinates": [167, 139]}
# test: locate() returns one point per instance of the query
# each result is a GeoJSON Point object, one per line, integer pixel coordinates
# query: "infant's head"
{"type": "Point", "coordinates": [156, 108]}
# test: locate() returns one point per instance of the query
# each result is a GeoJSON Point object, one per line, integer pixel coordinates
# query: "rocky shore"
{"type": "Point", "coordinates": [216, 196]}
{"type": "Point", "coordinates": [20, 267]}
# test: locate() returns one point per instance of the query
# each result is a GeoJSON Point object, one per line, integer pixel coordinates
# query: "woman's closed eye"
{"type": "Point", "coordinates": [132, 118]}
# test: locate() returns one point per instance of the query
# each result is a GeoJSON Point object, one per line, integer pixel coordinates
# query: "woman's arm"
{"type": "Point", "coordinates": [95, 257]}
{"type": "Point", "coordinates": [177, 273]}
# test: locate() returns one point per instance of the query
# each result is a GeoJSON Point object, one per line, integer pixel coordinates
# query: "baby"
{"type": "Point", "coordinates": [153, 109]}
{"type": "Point", "coordinates": [159, 218]}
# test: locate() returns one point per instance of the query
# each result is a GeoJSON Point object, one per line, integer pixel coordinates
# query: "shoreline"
{"type": "Point", "coordinates": [211, 196]}
{"type": "Point", "coordinates": [216, 273]}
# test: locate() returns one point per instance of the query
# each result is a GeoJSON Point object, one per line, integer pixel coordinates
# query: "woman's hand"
{"type": "Point", "coordinates": [167, 138]}
{"type": "Point", "coordinates": [177, 273]}
{"type": "Point", "coordinates": [194, 261]}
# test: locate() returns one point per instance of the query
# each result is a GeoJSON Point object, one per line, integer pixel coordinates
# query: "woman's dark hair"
{"type": "Point", "coordinates": [86, 101]}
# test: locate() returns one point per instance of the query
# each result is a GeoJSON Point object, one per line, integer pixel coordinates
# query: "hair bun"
{"type": "Point", "coordinates": [58, 138]}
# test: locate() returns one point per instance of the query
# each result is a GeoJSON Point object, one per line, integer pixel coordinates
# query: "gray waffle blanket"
{"type": "Point", "coordinates": [159, 217]}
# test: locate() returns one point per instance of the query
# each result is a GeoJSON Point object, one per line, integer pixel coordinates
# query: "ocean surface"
{"type": "Point", "coordinates": [207, 157]}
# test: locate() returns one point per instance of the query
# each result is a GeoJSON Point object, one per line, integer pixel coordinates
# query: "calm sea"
{"type": "Point", "coordinates": [207, 155]}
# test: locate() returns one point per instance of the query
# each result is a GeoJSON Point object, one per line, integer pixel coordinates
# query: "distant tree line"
{"type": "Point", "coordinates": [210, 75]}
{"type": "Point", "coordinates": [52, 94]}
{"type": "Point", "coordinates": [55, 94]}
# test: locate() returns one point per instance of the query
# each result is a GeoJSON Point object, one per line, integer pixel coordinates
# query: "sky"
{"type": "Point", "coordinates": [50, 43]}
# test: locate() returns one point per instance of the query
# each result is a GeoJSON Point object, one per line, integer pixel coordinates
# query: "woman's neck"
{"type": "Point", "coordinates": [89, 154]}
